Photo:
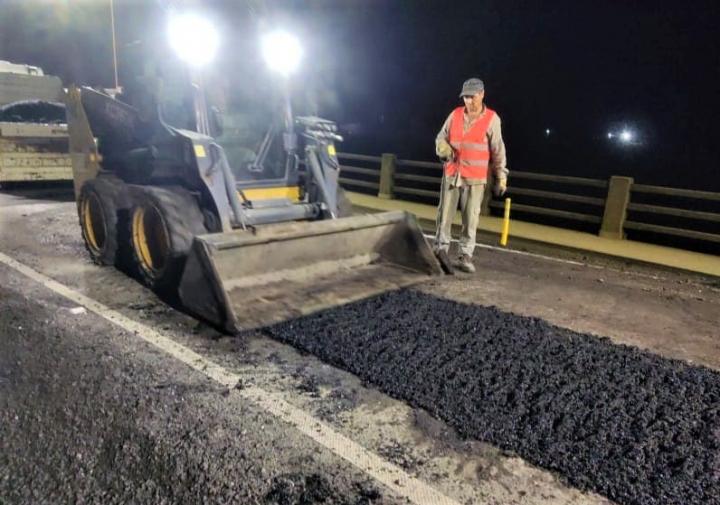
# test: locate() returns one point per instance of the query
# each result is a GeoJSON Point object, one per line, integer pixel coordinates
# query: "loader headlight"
{"type": "Point", "coordinates": [193, 38]}
{"type": "Point", "coordinates": [282, 52]}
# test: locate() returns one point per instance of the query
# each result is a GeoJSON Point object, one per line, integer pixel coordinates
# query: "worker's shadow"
{"type": "Point", "coordinates": [55, 191]}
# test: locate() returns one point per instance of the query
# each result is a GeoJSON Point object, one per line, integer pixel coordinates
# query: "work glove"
{"type": "Point", "coordinates": [445, 150]}
{"type": "Point", "coordinates": [500, 186]}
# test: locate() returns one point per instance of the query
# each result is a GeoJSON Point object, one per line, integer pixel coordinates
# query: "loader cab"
{"type": "Point", "coordinates": [239, 123]}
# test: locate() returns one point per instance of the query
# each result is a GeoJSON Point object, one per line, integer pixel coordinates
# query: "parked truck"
{"type": "Point", "coordinates": [33, 129]}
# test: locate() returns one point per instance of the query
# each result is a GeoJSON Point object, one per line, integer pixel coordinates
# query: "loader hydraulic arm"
{"type": "Point", "coordinates": [321, 160]}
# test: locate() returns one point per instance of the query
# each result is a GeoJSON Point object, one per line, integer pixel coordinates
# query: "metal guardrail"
{"type": "Point", "coordinates": [418, 164]}
{"type": "Point", "coordinates": [359, 157]}
{"type": "Point", "coordinates": [671, 208]}
{"type": "Point", "coordinates": [670, 230]}
{"type": "Point", "coordinates": [392, 177]}
{"type": "Point", "coordinates": [553, 195]}
{"type": "Point", "coordinates": [564, 179]}
{"type": "Point", "coordinates": [688, 193]}
{"type": "Point", "coordinates": [360, 170]}
{"type": "Point", "coordinates": [400, 182]}
{"type": "Point", "coordinates": [672, 211]}
{"type": "Point", "coordinates": [356, 182]}
{"type": "Point", "coordinates": [564, 214]}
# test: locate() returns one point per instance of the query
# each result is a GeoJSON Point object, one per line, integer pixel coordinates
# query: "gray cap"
{"type": "Point", "coordinates": [472, 86]}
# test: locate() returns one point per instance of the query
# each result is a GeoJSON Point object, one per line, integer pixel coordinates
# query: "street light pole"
{"type": "Point", "coordinates": [112, 26]}
{"type": "Point", "coordinates": [202, 121]}
{"type": "Point", "coordinates": [114, 44]}
{"type": "Point", "coordinates": [290, 140]}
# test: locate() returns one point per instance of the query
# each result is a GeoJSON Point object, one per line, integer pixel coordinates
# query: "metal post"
{"type": "Point", "coordinates": [616, 204]}
{"type": "Point", "coordinates": [114, 44]}
{"type": "Point", "coordinates": [202, 121]}
{"type": "Point", "coordinates": [387, 176]}
{"type": "Point", "coordinates": [506, 224]}
{"type": "Point", "coordinates": [290, 139]}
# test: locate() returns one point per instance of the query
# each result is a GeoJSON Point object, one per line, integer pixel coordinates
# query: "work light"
{"type": "Point", "coordinates": [282, 52]}
{"type": "Point", "coordinates": [194, 38]}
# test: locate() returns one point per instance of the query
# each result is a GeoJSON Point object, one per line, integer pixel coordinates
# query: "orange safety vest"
{"type": "Point", "coordinates": [472, 154]}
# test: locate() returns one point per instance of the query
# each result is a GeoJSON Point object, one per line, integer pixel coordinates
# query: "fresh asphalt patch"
{"type": "Point", "coordinates": [635, 427]}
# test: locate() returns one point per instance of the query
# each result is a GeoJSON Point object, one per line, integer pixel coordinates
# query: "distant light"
{"type": "Point", "coordinates": [626, 136]}
{"type": "Point", "coordinates": [547, 132]}
{"type": "Point", "coordinates": [610, 135]}
{"type": "Point", "coordinates": [193, 38]}
{"type": "Point", "coordinates": [282, 52]}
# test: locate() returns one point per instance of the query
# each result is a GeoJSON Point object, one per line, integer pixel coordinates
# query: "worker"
{"type": "Point", "coordinates": [470, 144]}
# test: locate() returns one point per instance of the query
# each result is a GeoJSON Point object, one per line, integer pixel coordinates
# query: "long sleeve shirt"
{"type": "Point", "coordinates": [498, 160]}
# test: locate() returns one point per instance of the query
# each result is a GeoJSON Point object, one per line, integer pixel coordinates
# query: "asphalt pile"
{"type": "Point", "coordinates": [630, 425]}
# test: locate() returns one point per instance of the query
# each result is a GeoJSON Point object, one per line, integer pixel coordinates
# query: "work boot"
{"type": "Point", "coordinates": [445, 263]}
{"type": "Point", "coordinates": [465, 264]}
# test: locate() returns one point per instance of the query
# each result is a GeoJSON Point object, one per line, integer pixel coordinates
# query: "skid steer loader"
{"type": "Point", "coordinates": [165, 204]}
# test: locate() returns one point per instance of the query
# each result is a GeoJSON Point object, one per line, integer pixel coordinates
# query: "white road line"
{"type": "Point", "coordinates": [559, 260]}
{"type": "Point", "coordinates": [392, 476]}
{"type": "Point", "coordinates": [521, 253]}
{"type": "Point", "coordinates": [536, 255]}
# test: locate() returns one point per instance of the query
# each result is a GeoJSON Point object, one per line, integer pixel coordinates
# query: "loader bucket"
{"type": "Point", "coordinates": [244, 279]}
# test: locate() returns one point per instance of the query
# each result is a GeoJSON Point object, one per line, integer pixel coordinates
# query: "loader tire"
{"type": "Point", "coordinates": [163, 223]}
{"type": "Point", "coordinates": [100, 205]}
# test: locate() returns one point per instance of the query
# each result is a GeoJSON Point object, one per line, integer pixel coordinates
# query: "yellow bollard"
{"type": "Point", "coordinates": [506, 224]}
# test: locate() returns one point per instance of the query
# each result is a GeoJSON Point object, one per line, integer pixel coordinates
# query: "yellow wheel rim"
{"type": "Point", "coordinates": [93, 223]}
{"type": "Point", "coordinates": [150, 239]}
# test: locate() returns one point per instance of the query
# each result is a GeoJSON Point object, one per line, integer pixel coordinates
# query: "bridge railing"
{"type": "Point", "coordinates": [611, 208]}
{"type": "Point", "coordinates": [678, 211]}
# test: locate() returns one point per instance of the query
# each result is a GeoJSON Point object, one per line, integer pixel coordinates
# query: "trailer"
{"type": "Point", "coordinates": [34, 152]}
{"type": "Point", "coordinates": [33, 130]}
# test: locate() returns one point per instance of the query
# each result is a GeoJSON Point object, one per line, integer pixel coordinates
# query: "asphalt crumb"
{"type": "Point", "coordinates": [308, 384]}
{"type": "Point", "coordinates": [299, 489]}
{"type": "Point", "coordinates": [633, 426]}
{"type": "Point", "coordinates": [399, 454]}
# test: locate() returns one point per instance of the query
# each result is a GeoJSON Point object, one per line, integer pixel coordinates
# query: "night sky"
{"type": "Point", "coordinates": [390, 71]}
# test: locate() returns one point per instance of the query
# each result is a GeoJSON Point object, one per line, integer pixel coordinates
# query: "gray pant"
{"type": "Point", "coordinates": [470, 198]}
